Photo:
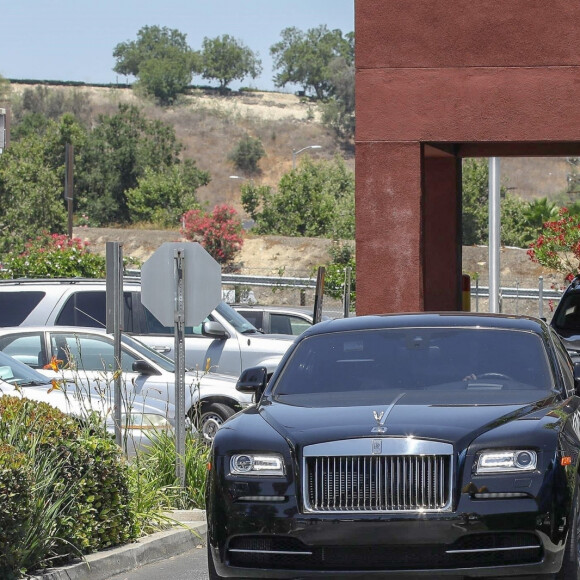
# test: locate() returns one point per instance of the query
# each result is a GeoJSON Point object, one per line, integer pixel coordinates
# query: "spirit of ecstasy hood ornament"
{"type": "Point", "coordinates": [381, 416]}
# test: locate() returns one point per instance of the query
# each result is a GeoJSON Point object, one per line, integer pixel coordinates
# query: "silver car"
{"type": "Point", "coordinates": [140, 420]}
{"type": "Point", "coordinates": [85, 356]}
{"type": "Point", "coordinates": [225, 337]}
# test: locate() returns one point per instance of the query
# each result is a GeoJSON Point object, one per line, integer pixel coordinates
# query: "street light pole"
{"type": "Point", "coordinates": [296, 153]}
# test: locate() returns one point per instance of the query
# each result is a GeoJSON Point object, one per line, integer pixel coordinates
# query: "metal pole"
{"type": "Point", "coordinates": [179, 272]}
{"type": "Point", "coordinates": [494, 233]}
{"type": "Point", "coordinates": [114, 320]}
{"type": "Point", "coordinates": [541, 297]}
{"type": "Point", "coordinates": [68, 184]}
{"type": "Point", "coordinates": [346, 297]}
{"type": "Point", "coordinates": [317, 316]}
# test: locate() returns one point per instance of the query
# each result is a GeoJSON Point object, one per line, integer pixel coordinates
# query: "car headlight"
{"type": "Point", "coordinates": [145, 421]}
{"type": "Point", "coordinates": [503, 461]}
{"type": "Point", "coordinates": [257, 464]}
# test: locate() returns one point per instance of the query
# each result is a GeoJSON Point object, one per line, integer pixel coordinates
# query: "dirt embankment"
{"type": "Point", "coordinates": [286, 256]}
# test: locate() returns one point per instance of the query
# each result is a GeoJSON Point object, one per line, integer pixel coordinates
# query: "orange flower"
{"type": "Point", "coordinates": [56, 385]}
{"type": "Point", "coordinates": [54, 364]}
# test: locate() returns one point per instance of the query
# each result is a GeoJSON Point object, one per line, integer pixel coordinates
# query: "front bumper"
{"type": "Point", "coordinates": [482, 538]}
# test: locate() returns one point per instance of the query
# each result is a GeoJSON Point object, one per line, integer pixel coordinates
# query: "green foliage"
{"type": "Point", "coordinates": [334, 280]}
{"type": "Point", "coordinates": [164, 79]}
{"type": "Point", "coordinates": [515, 229]}
{"type": "Point", "coordinates": [54, 256]}
{"type": "Point", "coordinates": [558, 246]}
{"type": "Point", "coordinates": [247, 154]}
{"type": "Point", "coordinates": [16, 497]}
{"type": "Point", "coordinates": [305, 58]}
{"type": "Point", "coordinates": [154, 485]}
{"type": "Point", "coordinates": [314, 200]}
{"type": "Point", "coordinates": [161, 198]}
{"type": "Point", "coordinates": [475, 202]}
{"type": "Point", "coordinates": [338, 111]}
{"type": "Point", "coordinates": [31, 186]}
{"type": "Point", "coordinates": [116, 155]}
{"type": "Point", "coordinates": [160, 58]}
{"type": "Point", "coordinates": [77, 497]}
{"type": "Point", "coordinates": [226, 59]}
{"type": "Point", "coordinates": [219, 232]}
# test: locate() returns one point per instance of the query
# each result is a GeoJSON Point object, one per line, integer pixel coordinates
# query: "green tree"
{"type": "Point", "coordinates": [338, 111]}
{"type": "Point", "coordinates": [160, 59]}
{"type": "Point", "coordinates": [247, 154]}
{"type": "Point", "coordinates": [515, 228]}
{"type": "Point", "coordinates": [314, 200]}
{"type": "Point", "coordinates": [31, 190]}
{"type": "Point", "coordinates": [162, 197]}
{"type": "Point", "coordinates": [475, 202]}
{"type": "Point", "coordinates": [117, 153]}
{"type": "Point", "coordinates": [227, 59]}
{"type": "Point", "coordinates": [304, 58]}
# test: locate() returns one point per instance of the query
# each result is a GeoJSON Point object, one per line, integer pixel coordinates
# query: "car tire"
{"type": "Point", "coordinates": [212, 418]}
{"type": "Point", "coordinates": [571, 563]}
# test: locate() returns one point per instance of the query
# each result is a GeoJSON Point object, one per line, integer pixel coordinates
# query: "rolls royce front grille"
{"type": "Point", "coordinates": [378, 483]}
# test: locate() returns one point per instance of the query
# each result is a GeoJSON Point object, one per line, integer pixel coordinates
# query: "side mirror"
{"type": "Point", "coordinates": [214, 329]}
{"type": "Point", "coordinates": [253, 380]}
{"type": "Point", "coordinates": [143, 368]}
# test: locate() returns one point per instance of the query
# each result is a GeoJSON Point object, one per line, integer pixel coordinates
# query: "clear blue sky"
{"type": "Point", "coordinates": [73, 40]}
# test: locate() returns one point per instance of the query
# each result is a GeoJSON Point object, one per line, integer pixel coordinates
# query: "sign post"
{"type": "Point", "coordinates": [180, 286]}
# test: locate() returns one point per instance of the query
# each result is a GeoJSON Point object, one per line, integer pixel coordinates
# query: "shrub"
{"type": "Point", "coordinates": [220, 232]}
{"type": "Point", "coordinates": [78, 484]}
{"type": "Point", "coordinates": [247, 154]}
{"type": "Point", "coordinates": [15, 508]}
{"type": "Point", "coordinates": [54, 256]}
{"type": "Point", "coordinates": [558, 246]}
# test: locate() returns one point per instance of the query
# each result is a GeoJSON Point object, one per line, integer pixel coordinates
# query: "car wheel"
{"type": "Point", "coordinates": [571, 563]}
{"type": "Point", "coordinates": [212, 418]}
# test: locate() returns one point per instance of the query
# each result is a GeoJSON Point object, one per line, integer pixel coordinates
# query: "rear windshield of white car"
{"type": "Point", "coordinates": [447, 365]}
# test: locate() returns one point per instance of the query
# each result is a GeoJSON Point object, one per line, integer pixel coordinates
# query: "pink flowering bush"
{"type": "Point", "coordinates": [219, 232]}
{"type": "Point", "coordinates": [558, 246]}
{"type": "Point", "coordinates": [54, 256]}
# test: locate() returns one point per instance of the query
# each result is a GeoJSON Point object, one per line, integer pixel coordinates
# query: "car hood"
{"type": "Point", "coordinates": [455, 423]}
{"type": "Point", "coordinates": [72, 402]}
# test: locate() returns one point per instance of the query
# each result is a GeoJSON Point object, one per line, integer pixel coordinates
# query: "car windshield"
{"type": "Point", "coordinates": [148, 353]}
{"type": "Point", "coordinates": [236, 319]}
{"type": "Point", "coordinates": [430, 365]}
{"type": "Point", "coordinates": [17, 373]}
{"type": "Point", "coordinates": [568, 315]}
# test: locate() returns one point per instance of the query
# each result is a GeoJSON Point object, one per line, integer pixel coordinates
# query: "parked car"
{"type": "Point", "coordinates": [405, 445]}
{"type": "Point", "coordinates": [140, 420]}
{"type": "Point", "coordinates": [277, 319]}
{"type": "Point", "coordinates": [225, 337]}
{"type": "Point", "coordinates": [566, 318]}
{"type": "Point", "coordinates": [86, 357]}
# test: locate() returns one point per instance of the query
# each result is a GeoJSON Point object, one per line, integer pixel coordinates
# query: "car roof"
{"type": "Point", "coordinates": [428, 319]}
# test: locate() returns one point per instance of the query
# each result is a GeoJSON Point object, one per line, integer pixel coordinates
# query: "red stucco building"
{"type": "Point", "coordinates": [438, 81]}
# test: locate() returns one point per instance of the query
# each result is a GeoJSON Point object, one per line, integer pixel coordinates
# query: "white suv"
{"type": "Point", "coordinates": [227, 339]}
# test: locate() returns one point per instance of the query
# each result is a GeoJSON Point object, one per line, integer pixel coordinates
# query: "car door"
{"type": "Point", "coordinates": [27, 347]}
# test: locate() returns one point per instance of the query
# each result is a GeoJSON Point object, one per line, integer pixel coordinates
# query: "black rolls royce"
{"type": "Point", "coordinates": [407, 446]}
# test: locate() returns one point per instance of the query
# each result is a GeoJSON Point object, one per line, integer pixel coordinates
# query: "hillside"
{"type": "Point", "coordinates": [209, 125]}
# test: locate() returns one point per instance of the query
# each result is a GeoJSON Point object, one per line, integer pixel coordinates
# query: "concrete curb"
{"type": "Point", "coordinates": [188, 533]}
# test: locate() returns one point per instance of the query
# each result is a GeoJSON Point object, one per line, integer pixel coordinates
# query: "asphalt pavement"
{"type": "Point", "coordinates": [188, 532]}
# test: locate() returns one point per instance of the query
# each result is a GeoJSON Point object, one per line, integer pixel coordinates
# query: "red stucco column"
{"type": "Point", "coordinates": [388, 228]}
{"type": "Point", "coordinates": [442, 233]}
